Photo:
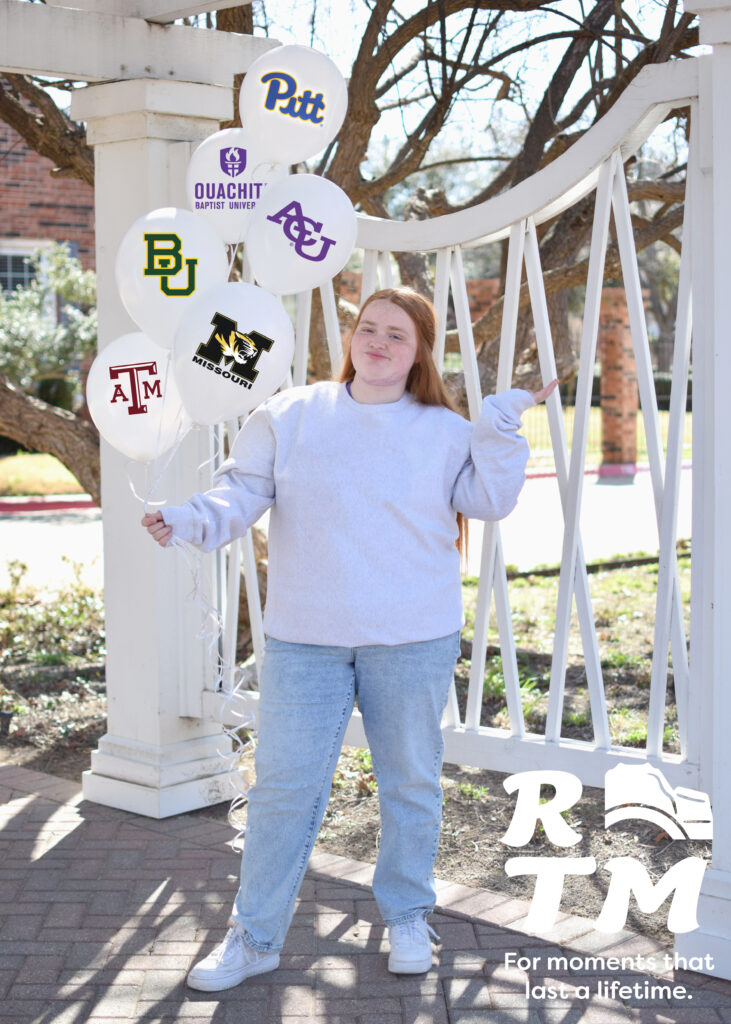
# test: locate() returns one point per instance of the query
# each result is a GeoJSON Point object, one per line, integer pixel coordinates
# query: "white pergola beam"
{"type": "Point", "coordinates": [43, 40]}
{"type": "Point", "coordinates": [163, 11]}
{"type": "Point", "coordinates": [160, 11]}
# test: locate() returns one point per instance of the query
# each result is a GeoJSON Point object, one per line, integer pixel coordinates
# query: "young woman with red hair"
{"type": "Point", "coordinates": [370, 480]}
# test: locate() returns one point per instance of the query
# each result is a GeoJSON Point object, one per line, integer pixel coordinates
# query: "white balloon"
{"type": "Point", "coordinates": [133, 398]}
{"type": "Point", "coordinates": [166, 260]}
{"type": "Point", "coordinates": [293, 101]}
{"type": "Point", "coordinates": [233, 349]}
{"type": "Point", "coordinates": [301, 234]}
{"type": "Point", "coordinates": [227, 174]}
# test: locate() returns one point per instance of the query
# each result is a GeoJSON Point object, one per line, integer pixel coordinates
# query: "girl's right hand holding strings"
{"type": "Point", "coordinates": [157, 528]}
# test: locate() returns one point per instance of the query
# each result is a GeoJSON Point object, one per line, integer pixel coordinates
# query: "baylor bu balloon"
{"type": "Point", "coordinates": [166, 260]}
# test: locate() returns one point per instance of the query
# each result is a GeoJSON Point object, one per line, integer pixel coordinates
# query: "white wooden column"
{"type": "Point", "coordinates": [159, 756]}
{"type": "Point", "coordinates": [711, 626]}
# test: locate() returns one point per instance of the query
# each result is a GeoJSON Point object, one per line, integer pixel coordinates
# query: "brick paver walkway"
{"type": "Point", "coordinates": [103, 912]}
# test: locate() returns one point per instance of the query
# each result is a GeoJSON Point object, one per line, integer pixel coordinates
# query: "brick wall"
{"type": "Point", "coordinates": [36, 205]}
{"type": "Point", "coordinates": [482, 295]}
{"type": "Point", "coordinates": [620, 400]}
{"type": "Point", "coordinates": [350, 285]}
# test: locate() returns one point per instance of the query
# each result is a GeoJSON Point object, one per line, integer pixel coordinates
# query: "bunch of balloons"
{"type": "Point", "coordinates": [209, 350]}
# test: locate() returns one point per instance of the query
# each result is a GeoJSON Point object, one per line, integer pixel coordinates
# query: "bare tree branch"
{"type": "Point", "coordinates": [374, 57]}
{"type": "Point", "coordinates": [543, 126]}
{"type": "Point", "coordinates": [33, 423]}
{"type": "Point", "coordinates": [669, 43]}
{"type": "Point", "coordinates": [48, 130]}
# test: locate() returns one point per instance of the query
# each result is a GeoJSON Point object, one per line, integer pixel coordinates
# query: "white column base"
{"type": "Point", "coordinates": [708, 948]}
{"type": "Point", "coordinates": [160, 781]}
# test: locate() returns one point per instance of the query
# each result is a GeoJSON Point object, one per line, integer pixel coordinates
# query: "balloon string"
{"type": "Point", "coordinates": [155, 465]}
{"type": "Point", "coordinates": [211, 635]}
{"type": "Point", "coordinates": [146, 499]}
{"type": "Point", "coordinates": [211, 632]}
{"type": "Point", "coordinates": [179, 434]}
{"type": "Point", "coordinates": [128, 469]}
{"type": "Point", "coordinates": [161, 468]}
{"type": "Point", "coordinates": [213, 459]}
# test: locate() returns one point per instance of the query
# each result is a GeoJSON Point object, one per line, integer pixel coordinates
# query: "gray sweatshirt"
{"type": "Point", "coordinates": [363, 505]}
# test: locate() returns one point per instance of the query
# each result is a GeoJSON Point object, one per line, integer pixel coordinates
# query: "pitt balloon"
{"type": "Point", "coordinates": [293, 101]}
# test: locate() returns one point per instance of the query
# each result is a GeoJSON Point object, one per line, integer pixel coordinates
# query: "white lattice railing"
{"type": "Point", "coordinates": [595, 163]}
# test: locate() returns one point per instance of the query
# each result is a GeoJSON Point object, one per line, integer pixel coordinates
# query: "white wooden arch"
{"type": "Point", "coordinates": [595, 163]}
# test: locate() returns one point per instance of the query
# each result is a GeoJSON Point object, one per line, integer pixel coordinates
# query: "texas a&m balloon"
{"type": "Point", "coordinates": [293, 100]}
{"type": "Point", "coordinates": [232, 350]}
{"type": "Point", "coordinates": [166, 260]}
{"type": "Point", "coordinates": [301, 234]}
{"type": "Point", "coordinates": [133, 398]}
{"type": "Point", "coordinates": [226, 177]}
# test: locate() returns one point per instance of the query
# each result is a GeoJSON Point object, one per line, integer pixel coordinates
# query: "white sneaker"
{"type": "Point", "coordinates": [229, 963]}
{"type": "Point", "coordinates": [410, 947]}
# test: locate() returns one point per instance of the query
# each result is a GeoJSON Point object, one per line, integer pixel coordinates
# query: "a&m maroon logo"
{"type": "Point", "coordinates": [139, 387]}
{"type": "Point", "coordinates": [303, 232]}
{"type": "Point", "coordinates": [233, 160]}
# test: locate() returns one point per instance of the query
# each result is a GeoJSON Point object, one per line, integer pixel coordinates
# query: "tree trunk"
{"type": "Point", "coordinates": [43, 427]}
{"type": "Point", "coordinates": [236, 19]}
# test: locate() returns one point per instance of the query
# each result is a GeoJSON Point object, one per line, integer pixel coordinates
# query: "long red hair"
{"type": "Point", "coordinates": [424, 381]}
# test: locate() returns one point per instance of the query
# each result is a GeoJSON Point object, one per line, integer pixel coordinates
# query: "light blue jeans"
{"type": "Point", "coordinates": [307, 693]}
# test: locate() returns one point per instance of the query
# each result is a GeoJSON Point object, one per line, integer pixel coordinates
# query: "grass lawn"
{"type": "Point", "coordinates": [33, 474]}
{"type": "Point", "coordinates": [623, 604]}
{"type": "Point", "coordinates": [45, 642]}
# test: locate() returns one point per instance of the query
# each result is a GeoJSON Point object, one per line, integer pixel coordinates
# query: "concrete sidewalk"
{"type": "Point", "coordinates": [102, 913]}
{"type": "Point", "coordinates": [617, 518]}
{"type": "Point", "coordinates": [51, 542]}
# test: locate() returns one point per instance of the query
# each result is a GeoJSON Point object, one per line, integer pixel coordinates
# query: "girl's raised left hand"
{"type": "Point", "coordinates": [542, 395]}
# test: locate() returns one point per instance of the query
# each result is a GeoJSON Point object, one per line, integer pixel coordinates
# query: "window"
{"type": "Point", "coordinates": [15, 268]}
{"type": "Point", "coordinates": [14, 271]}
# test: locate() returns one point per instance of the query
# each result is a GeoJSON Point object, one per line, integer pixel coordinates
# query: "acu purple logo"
{"type": "Point", "coordinates": [303, 232]}
{"type": "Point", "coordinates": [233, 160]}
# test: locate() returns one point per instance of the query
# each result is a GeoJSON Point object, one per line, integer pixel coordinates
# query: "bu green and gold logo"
{"type": "Point", "coordinates": [165, 260]}
{"type": "Point", "coordinates": [238, 352]}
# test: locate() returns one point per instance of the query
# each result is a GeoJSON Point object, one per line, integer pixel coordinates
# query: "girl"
{"type": "Point", "coordinates": [370, 480]}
